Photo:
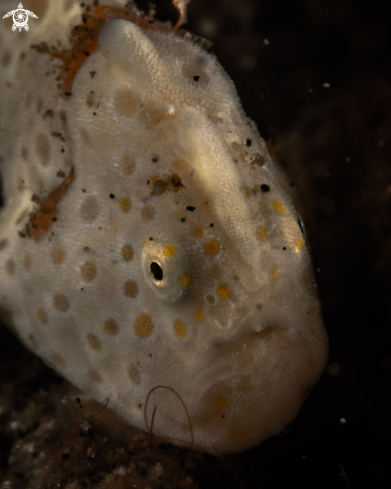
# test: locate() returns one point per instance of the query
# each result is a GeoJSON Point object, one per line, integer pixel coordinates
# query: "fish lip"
{"type": "Point", "coordinates": [239, 355]}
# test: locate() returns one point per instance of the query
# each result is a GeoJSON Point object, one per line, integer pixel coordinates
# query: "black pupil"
{"type": "Point", "coordinates": [156, 271]}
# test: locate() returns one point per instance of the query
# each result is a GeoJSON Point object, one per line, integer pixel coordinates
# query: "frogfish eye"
{"type": "Point", "coordinates": [301, 224]}
{"type": "Point", "coordinates": [156, 270]}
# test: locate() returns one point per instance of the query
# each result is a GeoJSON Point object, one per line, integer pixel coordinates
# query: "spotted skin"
{"type": "Point", "coordinates": [145, 238]}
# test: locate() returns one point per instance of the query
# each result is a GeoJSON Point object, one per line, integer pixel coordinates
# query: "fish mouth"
{"type": "Point", "coordinates": [245, 351]}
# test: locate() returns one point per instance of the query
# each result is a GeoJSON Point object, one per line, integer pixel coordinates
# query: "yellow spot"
{"type": "Point", "coordinates": [127, 252]}
{"type": "Point", "coordinates": [94, 342]}
{"type": "Point", "coordinates": [144, 326]}
{"type": "Point", "coordinates": [88, 271]}
{"type": "Point", "coordinates": [262, 233]}
{"type": "Point", "coordinates": [125, 205]}
{"type": "Point", "coordinates": [223, 291]}
{"type": "Point", "coordinates": [180, 329]}
{"type": "Point", "coordinates": [280, 208]}
{"type": "Point", "coordinates": [110, 327]}
{"type": "Point", "coordinates": [42, 316]}
{"type": "Point", "coordinates": [299, 244]}
{"type": "Point", "coordinates": [198, 315]}
{"type": "Point", "coordinates": [169, 250]}
{"type": "Point", "coordinates": [197, 230]}
{"type": "Point", "coordinates": [212, 247]}
{"type": "Point", "coordinates": [131, 289]}
{"type": "Point", "coordinates": [247, 190]}
{"type": "Point", "coordinates": [58, 256]}
{"type": "Point", "coordinates": [61, 302]}
{"type": "Point", "coordinates": [186, 280]}
{"type": "Point", "coordinates": [221, 402]}
{"type": "Point", "coordinates": [273, 274]}
{"type": "Point", "coordinates": [147, 212]}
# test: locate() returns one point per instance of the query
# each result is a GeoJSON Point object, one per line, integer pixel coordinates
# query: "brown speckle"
{"type": "Point", "coordinates": [6, 59]}
{"type": "Point", "coordinates": [58, 361]}
{"type": "Point", "coordinates": [3, 244]}
{"type": "Point", "coordinates": [127, 252]}
{"type": "Point", "coordinates": [94, 342]}
{"type": "Point", "coordinates": [90, 99]}
{"type": "Point", "coordinates": [131, 289]}
{"type": "Point", "coordinates": [134, 375]}
{"type": "Point", "coordinates": [110, 327]}
{"type": "Point", "coordinates": [126, 164]}
{"type": "Point", "coordinates": [43, 149]}
{"type": "Point", "coordinates": [61, 302]}
{"type": "Point", "coordinates": [147, 212]}
{"type": "Point", "coordinates": [26, 262]}
{"type": "Point", "coordinates": [89, 209]}
{"type": "Point", "coordinates": [94, 376]}
{"type": "Point", "coordinates": [58, 256]}
{"type": "Point", "coordinates": [10, 267]}
{"type": "Point", "coordinates": [42, 316]}
{"type": "Point", "coordinates": [88, 271]}
{"type": "Point", "coordinates": [127, 102]}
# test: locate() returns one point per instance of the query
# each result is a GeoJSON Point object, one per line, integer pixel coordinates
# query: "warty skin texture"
{"type": "Point", "coordinates": [146, 240]}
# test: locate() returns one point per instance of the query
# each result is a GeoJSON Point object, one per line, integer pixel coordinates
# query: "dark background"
{"type": "Point", "coordinates": [335, 143]}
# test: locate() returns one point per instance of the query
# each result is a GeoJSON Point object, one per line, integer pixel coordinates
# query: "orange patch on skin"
{"type": "Point", "coordinates": [180, 329]}
{"type": "Point", "coordinates": [299, 244]}
{"type": "Point", "coordinates": [127, 252]}
{"type": "Point", "coordinates": [198, 316]}
{"type": "Point", "coordinates": [169, 250]}
{"type": "Point", "coordinates": [125, 205]}
{"type": "Point", "coordinates": [84, 37]}
{"type": "Point", "coordinates": [211, 247]}
{"type": "Point", "coordinates": [185, 280]}
{"type": "Point", "coordinates": [41, 220]}
{"type": "Point", "coordinates": [223, 291]}
{"type": "Point", "coordinates": [262, 233]}
{"type": "Point", "coordinates": [280, 208]}
{"type": "Point", "coordinates": [144, 326]}
{"type": "Point", "coordinates": [273, 274]}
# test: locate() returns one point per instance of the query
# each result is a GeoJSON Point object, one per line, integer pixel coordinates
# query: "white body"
{"type": "Point", "coordinates": [233, 325]}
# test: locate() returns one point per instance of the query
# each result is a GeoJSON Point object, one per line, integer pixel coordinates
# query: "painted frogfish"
{"type": "Point", "coordinates": [145, 237]}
